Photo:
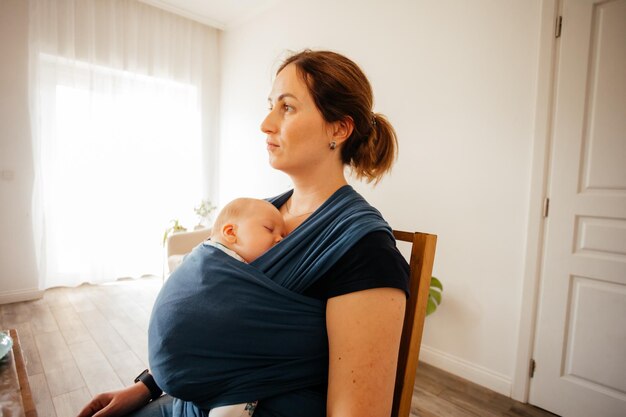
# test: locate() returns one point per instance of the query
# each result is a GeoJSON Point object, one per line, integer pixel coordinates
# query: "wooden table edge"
{"type": "Point", "coordinates": [22, 376]}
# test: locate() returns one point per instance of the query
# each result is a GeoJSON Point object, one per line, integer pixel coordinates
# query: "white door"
{"type": "Point", "coordinates": [580, 343]}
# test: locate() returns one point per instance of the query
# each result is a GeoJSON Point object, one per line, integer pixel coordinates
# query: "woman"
{"type": "Point", "coordinates": [321, 120]}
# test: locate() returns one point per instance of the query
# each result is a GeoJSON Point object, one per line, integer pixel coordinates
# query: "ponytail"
{"type": "Point", "coordinates": [373, 155]}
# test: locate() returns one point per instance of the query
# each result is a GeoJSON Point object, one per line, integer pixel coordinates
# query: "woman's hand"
{"type": "Point", "coordinates": [117, 403]}
{"type": "Point", "coordinates": [364, 330]}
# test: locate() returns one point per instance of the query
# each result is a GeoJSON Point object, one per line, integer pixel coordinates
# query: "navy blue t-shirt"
{"type": "Point", "coordinates": [373, 262]}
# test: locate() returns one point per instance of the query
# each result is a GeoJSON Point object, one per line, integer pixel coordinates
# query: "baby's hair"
{"type": "Point", "coordinates": [235, 210]}
{"type": "Point", "coordinates": [341, 90]}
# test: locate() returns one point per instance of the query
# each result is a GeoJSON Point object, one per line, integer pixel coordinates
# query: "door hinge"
{"type": "Point", "coordinates": [531, 368]}
{"type": "Point", "coordinates": [557, 29]}
{"type": "Point", "coordinates": [546, 207]}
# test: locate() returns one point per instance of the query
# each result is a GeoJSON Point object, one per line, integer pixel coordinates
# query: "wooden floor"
{"type": "Point", "coordinates": [81, 341]}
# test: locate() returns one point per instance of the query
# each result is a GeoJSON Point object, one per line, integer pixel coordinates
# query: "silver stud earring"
{"type": "Point", "coordinates": [332, 145]}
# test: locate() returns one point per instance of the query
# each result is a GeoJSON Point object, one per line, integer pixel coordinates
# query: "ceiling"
{"type": "Point", "coordinates": [220, 14]}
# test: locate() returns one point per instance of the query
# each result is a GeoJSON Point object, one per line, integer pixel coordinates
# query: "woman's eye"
{"type": "Point", "coordinates": [287, 107]}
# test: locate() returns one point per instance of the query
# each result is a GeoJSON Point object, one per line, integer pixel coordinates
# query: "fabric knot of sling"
{"type": "Point", "coordinates": [226, 332]}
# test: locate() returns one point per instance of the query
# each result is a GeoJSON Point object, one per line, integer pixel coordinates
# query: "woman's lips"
{"type": "Point", "coordinates": [271, 146]}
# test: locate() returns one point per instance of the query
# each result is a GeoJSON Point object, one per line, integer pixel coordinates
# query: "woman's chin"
{"type": "Point", "coordinates": [274, 163]}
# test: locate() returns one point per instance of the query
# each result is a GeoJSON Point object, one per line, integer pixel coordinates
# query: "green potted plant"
{"type": "Point", "coordinates": [434, 295]}
{"type": "Point", "coordinates": [204, 212]}
{"type": "Point", "coordinates": [174, 227]}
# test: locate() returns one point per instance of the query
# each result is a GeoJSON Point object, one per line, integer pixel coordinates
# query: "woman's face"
{"type": "Point", "coordinates": [298, 137]}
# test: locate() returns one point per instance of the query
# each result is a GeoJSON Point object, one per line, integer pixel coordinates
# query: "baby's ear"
{"type": "Point", "coordinates": [229, 231]}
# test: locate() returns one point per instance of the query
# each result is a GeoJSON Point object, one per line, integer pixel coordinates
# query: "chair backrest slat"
{"type": "Point", "coordinates": [421, 263]}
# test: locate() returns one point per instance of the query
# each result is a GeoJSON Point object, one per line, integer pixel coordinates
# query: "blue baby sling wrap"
{"type": "Point", "coordinates": [226, 332]}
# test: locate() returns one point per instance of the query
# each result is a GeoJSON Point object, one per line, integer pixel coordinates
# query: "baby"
{"type": "Point", "coordinates": [245, 229]}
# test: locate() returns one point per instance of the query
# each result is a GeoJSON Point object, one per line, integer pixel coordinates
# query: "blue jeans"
{"type": "Point", "coordinates": [161, 407]}
{"type": "Point", "coordinates": [303, 403]}
{"type": "Point", "coordinates": [167, 406]}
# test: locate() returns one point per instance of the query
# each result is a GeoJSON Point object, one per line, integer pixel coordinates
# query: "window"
{"type": "Point", "coordinates": [120, 155]}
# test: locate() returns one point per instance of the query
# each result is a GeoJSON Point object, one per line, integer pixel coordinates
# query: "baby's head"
{"type": "Point", "coordinates": [249, 227]}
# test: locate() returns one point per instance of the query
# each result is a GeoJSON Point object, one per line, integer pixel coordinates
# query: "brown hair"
{"type": "Point", "coordinates": [340, 89]}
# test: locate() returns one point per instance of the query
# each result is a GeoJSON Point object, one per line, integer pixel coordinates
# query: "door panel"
{"type": "Point", "coordinates": [604, 153]}
{"type": "Point", "coordinates": [592, 304]}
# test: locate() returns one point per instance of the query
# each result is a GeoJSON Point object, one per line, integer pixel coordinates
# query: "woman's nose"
{"type": "Point", "coordinates": [268, 125]}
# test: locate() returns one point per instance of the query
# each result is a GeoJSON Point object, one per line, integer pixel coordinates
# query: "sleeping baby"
{"type": "Point", "coordinates": [244, 230]}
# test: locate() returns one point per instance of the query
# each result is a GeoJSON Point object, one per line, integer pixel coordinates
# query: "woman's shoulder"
{"type": "Point", "coordinates": [380, 239]}
{"type": "Point", "coordinates": [372, 262]}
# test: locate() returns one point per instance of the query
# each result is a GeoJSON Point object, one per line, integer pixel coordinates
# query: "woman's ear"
{"type": "Point", "coordinates": [342, 129]}
{"type": "Point", "coordinates": [229, 232]}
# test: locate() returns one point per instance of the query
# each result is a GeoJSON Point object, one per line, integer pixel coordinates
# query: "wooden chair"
{"type": "Point", "coordinates": [421, 263]}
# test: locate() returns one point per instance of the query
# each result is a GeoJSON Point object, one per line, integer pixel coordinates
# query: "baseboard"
{"type": "Point", "coordinates": [16, 296]}
{"type": "Point", "coordinates": [467, 370]}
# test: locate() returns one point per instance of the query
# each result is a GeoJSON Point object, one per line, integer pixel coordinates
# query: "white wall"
{"type": "Point", "coordinates": [18, 267]}
{"type": "Point", "coordinates": [457, 79]}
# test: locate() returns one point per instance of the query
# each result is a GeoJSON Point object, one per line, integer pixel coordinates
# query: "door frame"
{"type": "Point", "coordinates": [540, 171]}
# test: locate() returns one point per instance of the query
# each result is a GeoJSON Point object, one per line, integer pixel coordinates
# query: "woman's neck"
{"type": "Point", "coordinates": [309, 194]}
{"type": "Point", "coordinates": [306, 198]}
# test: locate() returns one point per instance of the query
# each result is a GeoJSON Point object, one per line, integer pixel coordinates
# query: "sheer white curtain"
{"type": "Point", "coordinates": [123, 100]}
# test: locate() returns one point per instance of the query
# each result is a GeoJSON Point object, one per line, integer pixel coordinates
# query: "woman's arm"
{"type": "Point", "coordinates": [117, 403]}
{"type": "Point", "coordinates": [364, 330]}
